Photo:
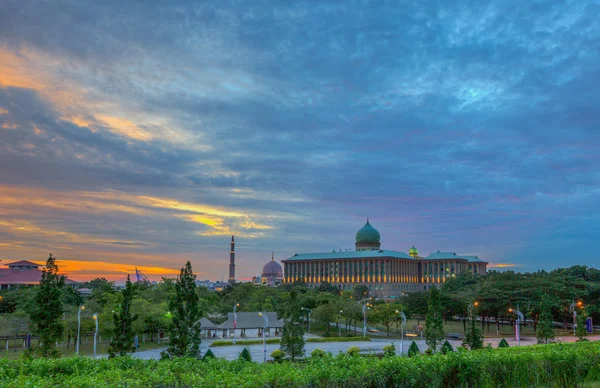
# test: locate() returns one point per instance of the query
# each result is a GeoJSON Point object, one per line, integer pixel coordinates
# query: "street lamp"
{"type": "Point", "coordinates": [520, 318]}
{"type": "Point", "coordinates": [266, 321]}
{"type": "Point", "coordinates": [79, 310]}
{"type": "Point", "coordinates": [95, 333]}
{"type": "Point", "coordinates": [235, 306]}
{"type": "Point", "coordinates": [339, 327]}
{"type": "Point", "coordinates": [364, 310]}
{"type": "Point", "coordinates": [309, 312]}
{"type": "Point", "coordinates": [403, 316]}
{"type": "Point", "coordinates": [573, 311]}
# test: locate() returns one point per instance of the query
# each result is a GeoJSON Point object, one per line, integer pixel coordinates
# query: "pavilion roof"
{"type": "Point", "coordinates": [251, 320]}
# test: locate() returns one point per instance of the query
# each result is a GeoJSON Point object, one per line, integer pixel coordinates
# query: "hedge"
{"type": "Point", "coordinates": [277, 340]}
{"type": "Point", "coordinates": [556, 365]}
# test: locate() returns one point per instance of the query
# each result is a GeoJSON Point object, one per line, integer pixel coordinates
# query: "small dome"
{"type": "Point", "coordinates": [367, 234]}
{"type": "Point", "coordinates": [413, 250]}
{"type": "Point", "coordinates": [272, 268]}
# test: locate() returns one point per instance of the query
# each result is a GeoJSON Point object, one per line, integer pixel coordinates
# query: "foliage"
{"type": "Point", "coordinates": [318, 353]}
{"type": "Point", "coordinates": [474, 335]}
{"type": "Point", "coordinates": [122, 341]}
{"type": "Point", "coordinates": [581, 330]}
{"type": "Point", "coordinates": [503, 343]}
{"type": "Point", "coordinates": [434, 323]}
{"type": "Point", "coordinates": [209, 354]}
{"type": "Point", "coordinates": [389, 350]}
{"type": "Point", "coordinates": [47, 310]}
{"type": "Point", "coordinates": [245, 355]}
{"type": "Point", "coordinates": [184, 331]}
{"type": "Point", "coordinates": [278, 354]}
{"type": "Point", "coordinates": [292, 340]}
{"type": "Point", "coordinates": [353, 350]}
{"type": "Point", "coordinates": [446, 348]}
{"type": "Point", "coordinates": [545, 333]}
{"type": "Point", "coordinates": [325, 314]}
{"type": "Point", "coordinates": [413, 350]}
{"type": "Point", "coordinates": [554, 365]}
{"type": "Point", "coordinates": [385, 314]}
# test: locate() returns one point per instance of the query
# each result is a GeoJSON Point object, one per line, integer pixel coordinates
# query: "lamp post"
{"type": "Point", "coordinates": [403, 316]}
{"type": "Point", "coordinates": [79, 310]}
{"type": "Point", "coordinates": [309, 312]}
{"type": "Point", "coordinates": [266, 322]}
{"type": "Point", "coordinates": [235, 306]}
{"type": "Point", "coordinates": [339, 327]}
{"type": "Point", "coordinates": [573, 311]}
{"type": "Point", "coordinates": [95, 333]}
{"type": "Point", "coordinates": [364, 310]}
{"type": "Point", "coordinates": [520, 318]}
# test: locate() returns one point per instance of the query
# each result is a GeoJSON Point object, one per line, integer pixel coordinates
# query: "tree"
{"type": "Point", "coordinates": [47, 310]}
{"type": "Point", "coordinates": [325, 314]}
{"type": "Point", "coordinates": [208, 355]}
{"type": "Point", "coordinates": [384, 314]}
{"type": "Point", "coordinates": [413, 350]}
{"type": "Point", "coordinates": [473, 335]}
{"type": "Point", "coordinates": [503, 344]}
{"type": "Point", "coordinates": [245, 355]}
{"type": "Point", "coordinates": [292, 340]}
{"type": "Point", "coordinates": [184, 332]}
{"type": "Point", "coordinates": [434, 324]}
{"type": "Point", "coordinates": [122, 341]}
{"type": "Point", "coordinates": [360, 292]}
{"type": "Point", "coordinates": [581, 330]}
{"type": "Point", "coordinates": [545, 333]}
{"type": "Point", "coordinates": [447, 348]}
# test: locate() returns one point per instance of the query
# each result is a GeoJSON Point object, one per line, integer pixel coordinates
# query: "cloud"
{"type": "Point", "coordinates": [468, 127]}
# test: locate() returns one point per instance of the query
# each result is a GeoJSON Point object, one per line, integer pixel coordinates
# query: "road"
{"type": "Point", "coordinates": [375, 346]}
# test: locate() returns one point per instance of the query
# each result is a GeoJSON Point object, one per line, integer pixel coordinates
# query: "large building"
{"type": "Point", "coordinates": [387, 274]}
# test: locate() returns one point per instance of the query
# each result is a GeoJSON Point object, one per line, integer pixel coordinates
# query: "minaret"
{"type": "Point", "coordinates": [232, 262]}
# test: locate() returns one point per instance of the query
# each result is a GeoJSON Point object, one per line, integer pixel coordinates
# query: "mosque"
{"type": "Point", "coordinates": [387, 274]}
{"type": "Point", "coordinates": [272, 274]}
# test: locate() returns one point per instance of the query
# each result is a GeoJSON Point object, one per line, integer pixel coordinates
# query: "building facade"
{"type": "Point", "coordinates": [387, 274]}
{"type": "Point", "coordinates": [25, 273]}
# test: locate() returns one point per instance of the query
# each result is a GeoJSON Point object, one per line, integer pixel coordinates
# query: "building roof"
{"type": "Point", "coordinates": [452, 255]}
{"type": "Point", "coordinates": [22, 263]}
{"type": "Point", "coordinates": [272, 268]}
{"type": "Point", "coordinates": [367, 234]}
{"type": "Point", "coordinates": [251, 320]}
{"type": "Point", "coordinates": [349, 255]}
{"type": "Point", "coordinates": [207, 324]}
{"type": "Point", "coordinates": [5, 271]}
{"type": "Point", "coordinates": [31, 276]}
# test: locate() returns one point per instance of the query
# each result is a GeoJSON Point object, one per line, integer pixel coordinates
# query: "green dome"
{"type": "Point", "coordinates": [413, 250]}
{"type": "Point", "coordinates": [367, 234]}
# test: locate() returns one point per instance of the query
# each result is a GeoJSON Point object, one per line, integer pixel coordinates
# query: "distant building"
{"type": "Point", "coordinates": [387, 274]}
{"type": "Point", "coordinates": [212, 286]}
{"type": "Point", "coordinates": [25, 273]}
{"type": "Point", "coordinates": [272, 274]}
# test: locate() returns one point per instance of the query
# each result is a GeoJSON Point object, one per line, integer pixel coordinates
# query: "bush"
{"type": "Point", "coordinates": [389, 350]}
{"type": "Point", "coordinates": [318, 353]}
{"type": "Point", "coordinates": [278, 354]}
{"type": "Point", "coordinates": [354, 350]}
{"type": "Point", "coordinates": [554, 365]}
{"type": "Point", "coordinates": [503, 343]}
{"type": "Point", "coordinates": [413, 350]}
{"type": "Point", "coordinates": [447, 348]}
{"type": "Point", "coordinates": [245, 355]}
{"type": "Point", "coordinates": [208, 355]}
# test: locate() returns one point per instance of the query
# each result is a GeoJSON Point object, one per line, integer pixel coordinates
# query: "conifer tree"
{"type": "Point", "coordinates": [447, 348]}
{"type": "Point", "coordinates": [545, 333]}
{"type": "Point", "coordinates": [413, 350]}
{"type": "Point", "coordinates": [503, 343]}
{"type": "Point", "coordinates": [434, 324]}
{"type": "Point", "coordinates": [473, 335]}
{"type": "Point", "coordinates": [292, 338]}
{"type": "Point", "coordinates": [245, 355]}
{"type": "Point", "coordinates": [184, 331]}
{"type": "Point", "coordinates": [581, 330]}
{"type": "Point", "coordinates": [122, 342]}
{"type": "Point", "coordinates": [47, 310]}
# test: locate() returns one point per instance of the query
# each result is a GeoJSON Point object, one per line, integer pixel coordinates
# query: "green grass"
{"type": "Point", "coordinates": [85, 349]}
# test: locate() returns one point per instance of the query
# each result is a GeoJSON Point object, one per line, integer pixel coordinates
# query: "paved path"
{"type": "Point", "coordinates": [375, 346]}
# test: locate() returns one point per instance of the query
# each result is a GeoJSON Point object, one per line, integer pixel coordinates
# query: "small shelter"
{"type": "Point", "coordinates": [251, 320]}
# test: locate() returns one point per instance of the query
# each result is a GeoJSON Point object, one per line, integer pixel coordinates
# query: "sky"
{"type": "Point", "coordinates": [146, 133]}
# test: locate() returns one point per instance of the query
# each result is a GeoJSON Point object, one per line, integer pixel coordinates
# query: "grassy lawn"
{"type": "Point", "coordinates": [86, 349]}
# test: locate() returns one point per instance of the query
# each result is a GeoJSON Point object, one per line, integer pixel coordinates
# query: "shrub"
{"type": "Point", "coordinates": [354, 350]}
{"type": "Point", "coordinates": [208, 355]}
{"type": "Point", "coordinates": [503, 343]}
{"type": "Point", "coordinates": [447, 348]}
{"type": "Point", "coordinates": [278, 354]}
{"type": "Point", "coordinates": [428, 352]}
{"type": "Point", "coordinates": [413, 350]}
{"type": "Point", "coordinates": [318, 353]}
{"type": "Point", "coordinates": [245, 355]}
{"type": "Point", "coordinates": [389, 350]}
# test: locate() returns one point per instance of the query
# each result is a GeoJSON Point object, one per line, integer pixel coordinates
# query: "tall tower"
{"type": "Point", "coordinates": [232, 262]}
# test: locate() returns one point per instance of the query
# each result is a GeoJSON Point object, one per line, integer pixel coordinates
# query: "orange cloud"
{"type": "Point", "coordinates": [125, 127]}
{"type": "Point", "coordinates": [3, 111]}
{"type": "Point", "coordinates": [503, 265]}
